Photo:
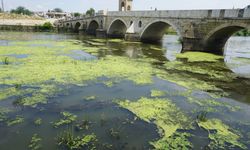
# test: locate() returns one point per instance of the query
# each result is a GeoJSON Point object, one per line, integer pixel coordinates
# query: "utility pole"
{"type": "Point", "coordinates": [2, 6]}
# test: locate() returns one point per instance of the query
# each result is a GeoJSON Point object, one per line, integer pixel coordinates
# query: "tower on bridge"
{"type": "Point", "coordinates": [125, 5]}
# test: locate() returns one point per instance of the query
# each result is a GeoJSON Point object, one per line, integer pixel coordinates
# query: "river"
{"type": "Point", "coordinates": [68, 91]}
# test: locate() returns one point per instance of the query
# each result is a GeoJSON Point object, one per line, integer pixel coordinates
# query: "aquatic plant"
{"type": "Point", "coordinates": [89, 98]}
{"type": "Point", "coordinates": [38, 121]}
{"type": "Point", "coordinates": [211, 104]}
{"type": "Point", "coordinates": [6, 61]}
{"type": "Point", "coordinates": [157, 93]}
{"type": "Point", "coordinates": [114, 134]}
{"type": "Point", "coordinates": [202, 117]}
{"type": "Point", "coordinates": [18, 86]}
{"type": "Point", "coordinates": [176, 141]}
{"type": "Point", "coordinates": [35, 143]}
{"type": "Point", "coordinates": [199, 57]}
{"type": "Point", "coordinates": [3, 114]}
{"type": "Point", "coordinates": [15, 121]}
{"type": "Point", "coordinates": [67, 140]}
{"type": "Point", "coordinates": [83, 125]}
{"type": "Point", "coordinates": [162, 112]}
{"type": "Point", "coordinates": [221, 135]}
{"type": "Point", "coordinates": [68, 118]}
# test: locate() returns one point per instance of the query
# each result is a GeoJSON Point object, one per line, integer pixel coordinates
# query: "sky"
{"type": "Point", "coordinates": [112, 5]}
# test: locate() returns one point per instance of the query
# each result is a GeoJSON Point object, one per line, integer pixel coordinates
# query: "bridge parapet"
{"type": "Point", "coordinates": [217, 13]}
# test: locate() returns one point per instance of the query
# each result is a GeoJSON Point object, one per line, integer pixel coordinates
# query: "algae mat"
{"type": "Point", "coordinates": [111, 94]}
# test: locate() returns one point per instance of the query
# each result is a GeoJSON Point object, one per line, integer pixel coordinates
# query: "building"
{"type": "Point", "coordinates": [53, 15]}
{"type": "Point", "coordinates": [125, 5]}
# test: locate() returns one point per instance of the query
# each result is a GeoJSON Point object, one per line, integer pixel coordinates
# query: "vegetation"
{"type": "Point", "coordinates": [171, 31]}
{"type": "Point", "coordinates": [21, 10]}
{"type": "Point", "coordinates": [35, 143]}
{"type": "Point", "coordinates": [67, 140]}
{"type": "Point", "coordinates": [157, 93]}
{"type": "Point", "coordinates": [68, 118]}
{"type": "Point", "coordinates": [6, 61]}
{"type": "Point", "coordinates": [15, 121]}
{"type": "Point", "coordinates": [47, 26]}
{"type": "Point", "coordinates": [90, 12]}
{"type": "Point", "coordinates": [89, 98]}
{"type": "Point", "coordinates": [223, 136]}
{"type": "Point", "coordinates": [244, 32]}
{"type": "Point", "coordinates": [19, 16]}
{"type": "Point", "coordinates": [77, 14]}
{"type": "Point", "coordinates": [58, 10]}
{"type": "Point", "coordinates": [163, 113]}
{"type": "Point", "coordinates": [38, 121]}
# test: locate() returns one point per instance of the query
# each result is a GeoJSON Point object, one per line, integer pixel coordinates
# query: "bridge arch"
{"type": "Point", "coordinates": [154, 31]}
{"type": "Point", "coordinates": [92, 27]}
{"type": "Point", "coordinates": [216, 39]}
{"type": "Point", "coordinates": [77, 26]}
{"type": "Point", "coordinates": [117, 28]}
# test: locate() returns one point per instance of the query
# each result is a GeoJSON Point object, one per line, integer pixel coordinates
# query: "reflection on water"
{"type": "Point", "coordinates": [172, 45]}
{"type": "Point", "coordinates": [117, 126]}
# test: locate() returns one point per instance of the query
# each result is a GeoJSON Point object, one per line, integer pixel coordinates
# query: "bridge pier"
{"type": "Point", "coordinates": [191, 44]}
{"type": "Point", "coordinates": [101, 33]}
{"type": "Point", "coordinates": [132, 37]}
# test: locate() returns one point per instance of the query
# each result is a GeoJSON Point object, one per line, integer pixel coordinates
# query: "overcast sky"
{"type": "Point", "coordinates": [83, 5]}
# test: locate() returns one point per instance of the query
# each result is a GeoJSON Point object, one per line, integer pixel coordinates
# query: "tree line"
{"type": "Point", "coordinates": [25, 11]}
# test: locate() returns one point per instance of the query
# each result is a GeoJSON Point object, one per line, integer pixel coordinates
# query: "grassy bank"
{"type": "Point", "coordinates": [18, 16]}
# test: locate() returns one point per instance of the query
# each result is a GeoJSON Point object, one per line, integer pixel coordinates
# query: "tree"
{"type": "Point", "coordinates": [58, 10]}
{"type": "Point", "coordinates": [21, 10]}
{"type": "Point", "coordinates": [90, 12]}
{"type": "Point", "coordinates": [77, 14]}
{"type": "Point", "coordinates": [0, 10]}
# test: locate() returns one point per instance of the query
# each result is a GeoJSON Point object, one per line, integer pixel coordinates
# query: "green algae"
{"type": "Point", "coordinates": [211, 104]}
{"type": "Point", "coordinates": [35, 143]}
{"type": "Point", "coordinates": [15, 121]}
{"type": "Point", "coordinates": [116, 40]}
{"type": "Point", "coordinates": [38, 122]}
{"type": "Point", "coordinates": [157, 93]}
{"type": "Point", "coordinates": [67, 119]}
{"type": "Point", "coordinates": [163, 113]}
{"type": "Point", "coordinates": [47, 64]}
{"type": "Point", "coordinates": [67, 140]}
{"type": "Point", "coordinates": [224, 137]}
{"type": "Point", "coordinates": [89, 98]}
{"type": "Point", "coordinates": [199, 57]}
{"type": "Point", "coordinates": [3, 114]}
{"type": "Point", "coordinates": [176, 141]}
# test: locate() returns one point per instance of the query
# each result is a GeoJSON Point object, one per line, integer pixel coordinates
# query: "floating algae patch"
{"type": "Point", "coordinates": [206, 70]}
{"type": "Point", "coordinates": [45, 64]}
{"type": "Point", "coordinates": [165, 115]}
{"type": "Point", "coordinates": [176, 141]}
{"type": "Point", "coordinates": [35, 143]}
{"type": "Point", "coordinates": [212, 104]}
{"type": "Point", "coordinates": [68, 118]}
{"type": "Point", "coordinates": [90, 98]}
{"type": "Point", "coordinates": [3, 114]}
{"type": "Point", "coordinates": [15, 121]}
{"type": "Point", "coordinates": [199, 57]}
{"type": "Point", "coordinates": [157, 93]}
{"type": "Point", "coordinates": [221, 135]}
{"type": "Point", "coordinates": [67, 140]}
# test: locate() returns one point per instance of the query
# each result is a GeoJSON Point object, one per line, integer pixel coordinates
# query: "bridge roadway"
{"type": "Point", "coordinates": [199, 30]}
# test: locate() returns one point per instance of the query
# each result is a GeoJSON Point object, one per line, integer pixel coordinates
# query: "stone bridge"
{"type": "Point", "coordinates": [199, 30]}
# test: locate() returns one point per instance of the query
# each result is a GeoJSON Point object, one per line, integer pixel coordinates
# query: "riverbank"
{"type": "Point", "coordinates": [17, 22]}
